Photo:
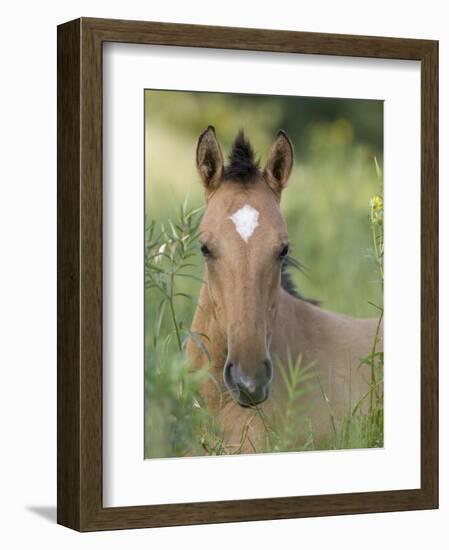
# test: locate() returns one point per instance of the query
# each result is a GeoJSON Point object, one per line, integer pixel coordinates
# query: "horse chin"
{"type": "Point", "coordinates": [247, 403]}
{"type": "Point", "coordinates": [250, 405]}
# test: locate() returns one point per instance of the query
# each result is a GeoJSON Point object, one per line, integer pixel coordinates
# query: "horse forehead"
{"type": "Point", "coordinates": [244, 213]}
{"type": "Point", "coordinates": [246, 221]}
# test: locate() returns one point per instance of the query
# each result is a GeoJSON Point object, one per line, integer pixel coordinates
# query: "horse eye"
{"type": "Point", "coordinates": [284, 252]}
{"type": "Point", "coordinates": [205, 251]}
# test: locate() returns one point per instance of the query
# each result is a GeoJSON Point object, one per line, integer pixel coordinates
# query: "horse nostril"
{"type": "Point", "coordinates": [248, 389]}
{"type": "Point", "coordinates": [268, 369]}
{"type": "Point", "coordinates": [227, 375]}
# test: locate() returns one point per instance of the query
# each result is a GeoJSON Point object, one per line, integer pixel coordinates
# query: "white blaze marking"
{"type": "Point", "coordinates": [245, 221]}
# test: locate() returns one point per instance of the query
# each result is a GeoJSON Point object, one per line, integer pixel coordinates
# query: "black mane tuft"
{"type": "Point", "coordinates": [287, 282]}
{"type": "Point", "coordinates": [242, 165]}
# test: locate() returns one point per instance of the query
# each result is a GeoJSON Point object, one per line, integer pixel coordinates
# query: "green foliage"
{"type": "Point", "coordinates": [176, 421]}
{"type": "Point", "coordinates": [325, 207]}
{"type": "Point", "coordinates": [168, 257]}
{"type": "Point", "coordinates": [366, 429]}
{"type": "Point", "coordinates": [291, 429]}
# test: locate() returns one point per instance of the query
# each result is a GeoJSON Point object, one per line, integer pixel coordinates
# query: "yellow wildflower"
{"type": "Point", "coordinates": [377, 210]}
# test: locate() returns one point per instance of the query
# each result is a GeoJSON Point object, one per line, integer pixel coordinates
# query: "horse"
{"type": "Point", "coordinates": [250, 318]}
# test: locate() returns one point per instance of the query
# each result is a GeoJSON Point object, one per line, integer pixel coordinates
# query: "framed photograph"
{"type": "Point", "coordinates": [247, 274]}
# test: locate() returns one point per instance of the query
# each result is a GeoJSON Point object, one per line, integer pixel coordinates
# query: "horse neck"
{"type": "Point", "coordinates": [291, 327]}
{"type": "Point", "coordinates": [318, 334]}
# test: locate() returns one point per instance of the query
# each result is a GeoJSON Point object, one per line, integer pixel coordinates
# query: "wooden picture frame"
{"type": "Point", "coordinates": [80, 504]}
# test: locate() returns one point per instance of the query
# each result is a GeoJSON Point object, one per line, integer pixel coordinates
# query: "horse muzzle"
{"type": "Point", "coordinates": [248, 390]}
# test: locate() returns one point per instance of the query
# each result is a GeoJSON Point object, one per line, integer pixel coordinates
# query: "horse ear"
{"type": "Point", "coordinates": [209, 159]}
{"type": "Point", "coordinates": [280, 163]}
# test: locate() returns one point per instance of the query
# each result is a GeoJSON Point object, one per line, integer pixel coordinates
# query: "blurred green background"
{"type": "Point", "coordinates": [326, 204]}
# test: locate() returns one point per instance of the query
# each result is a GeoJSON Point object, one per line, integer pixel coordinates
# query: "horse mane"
{"type": "Point", "coordinates": [287, 282]}
{"type": "Point", "coordinates": [242, 165]}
